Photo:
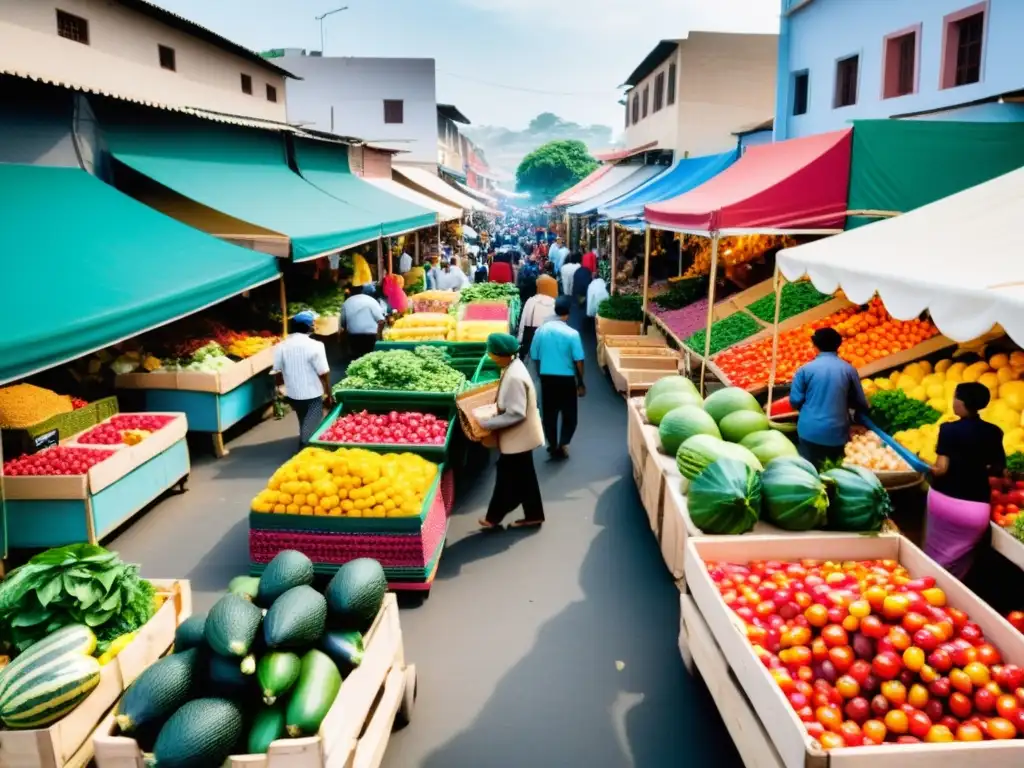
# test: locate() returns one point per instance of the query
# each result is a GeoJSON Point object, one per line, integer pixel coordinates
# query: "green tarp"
{"type": "Point", "coordinates": [86, 266]}
{"type": "Point", "coordinates": [245, 174]}
{"type": "Point", "coordinates": [326, 167]}
{"type": "Point", "coordinates": [900, 165]}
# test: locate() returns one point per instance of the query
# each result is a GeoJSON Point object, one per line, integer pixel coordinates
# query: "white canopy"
{"type": "Point", "coordinates": [434, 185]}
{"type": "Point", "coordinates": [961, 258]}
{"type": "Point", "coordinates": [444, 212]}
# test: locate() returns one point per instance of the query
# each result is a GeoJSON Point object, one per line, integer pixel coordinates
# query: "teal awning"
{"type": "Point", "coordinates": [245, 174]}
{"type": "Point", "coordinates": [326, 167]}
{"type": "Point", "coordinates": [86, 266]}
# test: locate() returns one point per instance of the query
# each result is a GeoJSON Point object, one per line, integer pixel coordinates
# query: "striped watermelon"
{"type": "Point", "coordinates": [49, 679]}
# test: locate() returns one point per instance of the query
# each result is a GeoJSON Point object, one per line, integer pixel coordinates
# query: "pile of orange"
{"type": "Point", "coordinates": [870, 334]}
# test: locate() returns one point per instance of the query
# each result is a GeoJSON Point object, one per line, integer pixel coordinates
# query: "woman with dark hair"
{"type": "Point", "coordinates": [970, 451]}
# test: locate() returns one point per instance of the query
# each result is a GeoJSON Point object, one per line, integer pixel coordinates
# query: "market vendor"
{"type": "Point", "coordinates": [970, 451]}
{"type": "Point", "coordinates": [300, 366]}
{"type": "Point", "coordinates": [362, 317]}
{"type": "Point", "coordinates": [452, 278]}
{"type": "Point", "coordinates": [518, 429]}
{"type": "Point", "coordinates": [825, 391]}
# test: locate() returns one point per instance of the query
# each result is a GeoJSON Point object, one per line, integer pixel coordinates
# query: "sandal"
{"type": "Point", "coordinates": [487, 525]}
{"type": "Point", "coordinates": [527, 524]}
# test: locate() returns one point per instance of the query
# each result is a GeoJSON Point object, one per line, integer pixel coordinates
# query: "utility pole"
{"type": "Point", "coordinates": [321, 20]}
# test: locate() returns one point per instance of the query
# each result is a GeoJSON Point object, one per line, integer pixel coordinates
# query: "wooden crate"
{"type": "Point", "coordinates": [618, 342]}
{"type": "Point", "coordinates": [796, 749]}
{"type": "Point", "coordinates": [356, 730]}
{"type": "Point", "coordinates": [635, 419]}
{"type": "Point", "coordinates": [674, 520]}
{"type": "Point", "coordinates": [1005, 544]}
{"type": "Point", "coordinates": [69, 741]}
{"type": "Point", "coordinates": [607, 327]}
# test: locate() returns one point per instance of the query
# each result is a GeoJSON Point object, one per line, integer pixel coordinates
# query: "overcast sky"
{"type": "Point", "coordinates": [501, 61]}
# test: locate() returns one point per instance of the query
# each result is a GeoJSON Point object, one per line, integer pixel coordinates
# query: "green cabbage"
{"type": "Point", "coordinates": [725, 498]}
{"type": "Point", "coordinates": [795, 498]}
{"type": "Point", "coordinates": [857, 500]}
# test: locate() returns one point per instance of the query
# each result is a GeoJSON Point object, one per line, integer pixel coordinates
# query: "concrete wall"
{"type": "Point", "coordinates": [356, 89]}
{"type": "Point", "coordinates": [122, 57]}
{"type": "Point", "coordinates": [754, 140]}
{"type": "Point", "coordinates": [661, 126]}
{"type": "Point", "coordinates": [816, 34]}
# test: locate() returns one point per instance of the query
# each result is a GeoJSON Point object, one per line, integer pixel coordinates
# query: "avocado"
{"type": "Point", "coordinates": [245, 586]}
{"type": "Point", "coordinates": [225, 676]}
{"type": "Point", "coordinates": [231, 626]}
{"type": "Point", "coordinates": [296, 619]}
{"type": "Point", "coordinates": [159, 691]}
{"type": "Point", "coordinates": [356, 593]}
{"type": "Point", "coordinates": [288, 569]}
{"type": "Point", "coordinates": [202, 734]}
{"type": "Point", "coordinates": [191, 633]}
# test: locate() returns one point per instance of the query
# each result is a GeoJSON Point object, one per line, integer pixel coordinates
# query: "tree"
{"type": "Point", "coordinates": [553, 168]}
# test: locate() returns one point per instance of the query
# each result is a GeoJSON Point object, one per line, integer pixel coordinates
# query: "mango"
{"type": "Point", "coordinates": [998, 361]}
{"type": "Point", "coordinates": [936, 391]}
{"type": "Point", "coordinates": [943, 365]}
{"type": "Point", "coordinates": [938, 404]}
{"type": "Point", "coordinates": [975, 371]}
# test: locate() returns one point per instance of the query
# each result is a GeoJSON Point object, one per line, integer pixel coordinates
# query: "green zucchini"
{"type": "Point", "coordinates": [231, 626]}
{"type": "Point", "coordinates": [297, 619]}
{"type": "Point", "coordinates": [318, 686]}
{"type": "Point", "coordinates": [267, 727]}
{"type": "Point", "coordinates": [345, 649]}
{"type": "Point", "coordinates": [288, 569]}
{"type": "Point", "coordinates": [191, 633]}
{"type": "Point", "coordinates": [159, 691]}
{"type": "Point", "coordinates": [277, 672]}
{"type": "Point", "coordinates": [202, 734]}
{"type": "Point", "coordinates": [225, 676]}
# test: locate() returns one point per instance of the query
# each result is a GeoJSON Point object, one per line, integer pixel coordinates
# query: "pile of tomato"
{"type": "Point", "coordinates": [869, 335]}
{"type": "Point", "coordinates": [1007, 500]}
{"type": "Point", "coordinates": [866, 654]}
{"type": "Point", "coordinates": [394, 428]}
{"type": "Point", "coordinates": [59, 460]}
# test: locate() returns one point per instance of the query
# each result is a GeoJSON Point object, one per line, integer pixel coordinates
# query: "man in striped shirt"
{"type": "Point", "coordinates": [300, 365]}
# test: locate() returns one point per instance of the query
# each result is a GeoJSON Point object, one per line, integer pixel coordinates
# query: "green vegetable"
{"type": "Point", "coordinates": [277, 673]}
{"type": "Point", "coordinates": [76, 584]}
{"type": "Point", "coordinates": [797, 298]}
{"type": "Point", "coordinates": [159, 691]}
{"type": "Point", "coordinates": [701, 451]}
{"type": "Point", "coordinates": [356, 594]}
{"type": "Point", "coordinates": [267, 727]}
{"type": "Point", "coordinates": [769, 445]}
{"type": "Point", "coordinates": [729, 400]}
{"type": "Point", "coordinates": [244, 586]}
{"type": "Point", "coordinates": [224, 676]}
{"type": "Point", "coordinates": [319, 682]}
{"type": "Point", "coordinates": [289, 568]}
{"type": "Point", "coordinates": [894, 412]}
{"type": "Point", "coordinates": [669, 384]}
{"type": "Point", "coordinates": [857, 500]}
{"type": "Point", "coordinates": [296, 619]}
{"type": "Point", "coordinates": [488, 292]}
{"type": "Point", "coordinates": [725, 498]}
{"type": "Point", "coordinates": [683, 293]}
{"type": "Point", "coordinates": [669, 401]}
{"type": "Point", "coordinates": [191, 633]}
{"type": "Point", "coordinates": [622, 306]}
{"type": "Point", "coordinates": [199, 735]}
{"type": "Point", "coordinates": [683, 423]}
{"type": "Point", "coordinates": [1018, 528]}
{"type": "Point", "coordinates": [725, 333]}
{"type": "Point", "coordinates": [1015, 462]}
{"type": "Point", "coordinates": [795, 498]}
{"type": "Point", "coordinates": [231, 626]}
{"type": "Point", "coordinates": [422, 370]}
{"type": "Point", "coordinates": [345, 649]}
{"type": "Point", "coordinates": [737, 425]}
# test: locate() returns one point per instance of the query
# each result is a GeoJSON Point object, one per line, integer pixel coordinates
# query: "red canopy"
{"type": "Point", "coordinates": [572, 193]}
{"type": "Point", "coordinates": [798, 185]}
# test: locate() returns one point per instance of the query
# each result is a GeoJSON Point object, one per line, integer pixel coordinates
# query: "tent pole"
{"type": "Point", "coordinates": [611, 235]}
{"type": "Point", "coordinates": [380, 259]}
{"type": "Point", "coordinates": [711, 312]}
{"type": "Point", "coordinates": [647, 273]}
{"type": "Point", "coordinates": [391, 258]}
{"type": "Point", "coordinates": [284, 310]}
{"type": "Point", "coordinates": [416, 246]}
{"type": "Point", "coordinates": [680, 257]}
{"type": "Point", "coordinates": [439, 239]}
{"type": "Point", "coordinates": [780, 281]}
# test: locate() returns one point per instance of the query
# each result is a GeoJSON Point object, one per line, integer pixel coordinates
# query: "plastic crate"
{"type": "Point", "coordinates": [455, 349]}
{"type": "Point", "coordinates": [486, 371]}
{"type": "Point", "coordinates": [436, 453]}
{"type": "Point", "coordinates": [357, 399]}
{"type": "Point", "coordinates": [19, 441]}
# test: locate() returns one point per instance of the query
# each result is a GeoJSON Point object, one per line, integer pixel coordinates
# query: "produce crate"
{"type": "Point", "coordinates": [436, 453]}
{"type": "Point", "coordinates": [911, 458]}
{"type": "Point", "coordinates": [356, 730]}
{"type": "Point", "coordinates": [486, 371]}
{"type": "Point", "coordinates": [636, 419]}
{"type": "Point", "coordinates": [69, 742]}
{"type": "Point", "coordinates": [455, 349]}
{"type": "Point", "coordinates": [219, 382]}
{"type": "Point", "coordinates": [606, 327]}
{"type": "Point", "coordinates": [358, 399]}
{"type": "Point", "coordinates": [724, 648]}
{"type": "Point", "coordinates": [641, 374]}
{"type": "Point", "coordinates": [614, 341]}
{"type": "Point", "coordinates": [29, 440]}
{"type": "Point", "coordinates": [897, 480]}
{"type": "Point", "coordinates": [1007, 545]}
{"type": "Point", "coordinates": [327, 325]}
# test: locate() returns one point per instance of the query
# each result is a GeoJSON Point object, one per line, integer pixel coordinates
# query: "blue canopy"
{"type": "Point", "coordinates": [685, 175]}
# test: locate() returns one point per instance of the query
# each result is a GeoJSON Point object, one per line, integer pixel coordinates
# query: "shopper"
{"type": "Point", "coordinates": [501, 272]}
{"type": "Point", "coordinates": [825, 391]}
{"type": "Point", "coordinates": [970, 451]}
{"type": "Point", "coordinates": [596, 293]}
{"type": "Point", "coordinates": [558, 254]}
{"type": "Point", "coordinates": [362, 318]}
{"type": "Point", "coordinates": [451, 278]}
{"type": "Point", "coordinates": [300, 366]}
{"type": "Point", "coordinates": [558, 351]}
{"type": "Point", "coordinates": [567, 272]}
{"type": "Point", "coordinates": [537, 310]}
{"type": "Point", "coordinates": [518, 430]}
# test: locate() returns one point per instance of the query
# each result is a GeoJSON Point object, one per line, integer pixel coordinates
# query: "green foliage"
{"type": "Point", "coordinates": [423, 370]}
{"type": "Point", "coordinates": [894, 412]}
{"type": "Point", "coordinates": [554, 167]}
{"type": "Point", "coordinates": [622, 306]}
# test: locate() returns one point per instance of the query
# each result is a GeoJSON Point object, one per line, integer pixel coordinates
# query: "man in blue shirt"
{"type": "Point", "coordinates": [362, 317]}
{"type": "Point", "coordinates": [825, 391]}
{"type": "Point", "coordinates": [557, 350]}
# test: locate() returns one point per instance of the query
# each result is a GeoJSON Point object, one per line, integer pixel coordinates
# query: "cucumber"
{"type": "Point", "coordinates": [318, 686]}
{"type": "Point", "coordinates": [191, 633]}
{"type": "Point", "coordinates": [231, 626]}
{"type": "Point", "coordinates": [159, 691]}
{"type": "Point", "coordinates": [296, 619]}
{"type": "Point", "coordinates": [277, 673]}
{"type": "Point", "coordinates": [245, 586]}
{"type": "Point", "coordinates": [288, 569]}
{"type": "Point", "coordinates": [356, 593]}
{"type": "Point", "coordinates": [345, 649]}
{"type": "Point", "coordinates": [225, 676]}
{"type": "Point", "coordinates": [267, 727]}
{"type": "Point", "coordinates": [202, 734]}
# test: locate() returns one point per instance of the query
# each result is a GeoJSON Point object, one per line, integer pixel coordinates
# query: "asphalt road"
{"type": "Point", "coordinates": [545, 649]}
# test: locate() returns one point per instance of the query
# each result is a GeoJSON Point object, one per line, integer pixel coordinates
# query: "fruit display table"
{"type": "Point", "coordinates": [426, 431]}
{"type": "Point", "coordinates": [635, 369]}
{"type": "Point", "coordinates": [213, 402]}
{"type": "Point", "coordinates": [1006, 545]}
{"type": "Point", "coordinates": [92, 488]}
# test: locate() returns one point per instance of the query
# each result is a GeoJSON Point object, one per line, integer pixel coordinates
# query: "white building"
{"type": "Point", "coordinates": [689, 95]}
{"type": "Point", "coordinates": [135, 50]}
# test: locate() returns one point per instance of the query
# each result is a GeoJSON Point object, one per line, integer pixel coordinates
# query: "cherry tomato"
{"type": "Point", "coordinates": [1000, 728]}
{"type": "Point", "coordinates": [875, 731]}
{"type": "Point", "coordinates": [896, 721]}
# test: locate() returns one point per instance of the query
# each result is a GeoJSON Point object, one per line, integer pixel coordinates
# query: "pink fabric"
{"type": "Point", "coordinates": [395, 296]}
{"type": "Point", "coordinates": [955, 527]}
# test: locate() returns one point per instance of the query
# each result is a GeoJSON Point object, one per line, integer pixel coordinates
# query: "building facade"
{"type": "Point", "coordinates": [138, 51]}
{"type": "Point", "coordinates": [840, 60]}
{"type": "Point", "coordinates": [451, 158]}
{"type": "Point", "coordinates": [689, 95]}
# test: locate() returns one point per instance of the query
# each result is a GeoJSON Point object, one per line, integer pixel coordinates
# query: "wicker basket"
{"type": "Point", "coordinates": [468, 402]}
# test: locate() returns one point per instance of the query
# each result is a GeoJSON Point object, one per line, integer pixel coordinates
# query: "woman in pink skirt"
{"type": "Point", "coordinates": [970, 451]}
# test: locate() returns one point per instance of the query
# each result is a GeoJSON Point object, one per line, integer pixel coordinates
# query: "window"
{"type": "Point", "coordinates": [626, 103]}
{"type": "Point", "coordinates": [271, 93]}
{"type": "Point", "coordinates": [394, 111]}
{"type": "Point", "coordinates": [247, 84]}
{"type": "Point", "coordinates": [671, 84]}
{"type": "Point", "coordinates": [801, 81]}
{"type": "Point", "coordinates": [72, 27]}
{"type": "Point", "coordinates": [636, 108]}
{"type": "Point", "coordinates": [846, 82]}
{"type": "Point", "coordinates": [647, 99]}
{"type": "Point", "coordinates": [899, 63]}
{"type": "Point", "coordinates": [963, 46]}
{"type": "Point", "coordinates": [167, 58]}
{"type": "Point", "coordinates": [659, 91]}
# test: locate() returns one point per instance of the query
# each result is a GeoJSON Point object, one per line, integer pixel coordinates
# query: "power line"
{"type": "Point", "coordinates": [502, 86]}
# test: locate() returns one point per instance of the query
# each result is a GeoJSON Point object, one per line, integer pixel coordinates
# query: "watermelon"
{"type": "Point", "coordinates": [669, 384]}
{"type": "Point", "coordinates": [682, 423]}
{"type": "Point", "coordinates": [729, 400]}
{"type": "Point", "coordinates": [700, 451]}
{"type": "Point", "coordinates": [669, 401]}
{"type": "Point", "coordinates": [725, 498]}
{"type": "Point", "coordinates": [795, 498]}
{"type": "Point", "coordinates": [738, 424]}
{"type": "Point", "coordinates": [857, 500]}
{"type": "Point", "coordinates": [769, 445]}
